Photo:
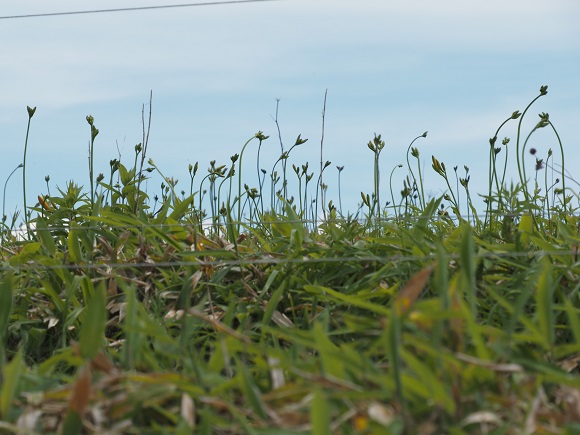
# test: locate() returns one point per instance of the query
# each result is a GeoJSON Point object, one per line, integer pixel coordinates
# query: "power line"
{"type": "Point", "coordinates": [138, 8]}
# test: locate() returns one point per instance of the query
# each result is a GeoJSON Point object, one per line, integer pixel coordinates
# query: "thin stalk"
{"type": "Point", "coordinates": [543, 91]}
{"type": "Point", "coordinates": [562, 160]}
{"type": "Point", "coordinates": [4, 194]}
{"type": "Point", "coordinates": [261, 137]}
{"type": "Point", "coordinates": [321, 164]}
{"type": "Point", "coordinates": [145, 144]}
{"type": "Point", "coordinates": [492, 173]}
{"type": "Point", "coordinates": [391, 188]}
{"type": "Point", "coordinates": [258, 171]}
{"type": "Point", "coordinates": [416, 154]}
{"type": "Point", "coordinates": [279, 135]}
{"type": "Point", "coordinates": [94, 133]}
{"type": "Point", "coordinates": [340, 168]}
{"type": "Point", "coordinates": [30, 115]}
{"type": "Point", "coordinates": [547, 199]}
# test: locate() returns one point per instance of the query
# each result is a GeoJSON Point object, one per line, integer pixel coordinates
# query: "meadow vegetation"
{"type": "Point", "coordinates": [228, 308]}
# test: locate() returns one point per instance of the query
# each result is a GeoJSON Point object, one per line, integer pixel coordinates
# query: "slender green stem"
{"type": "Point", "coordinates": [523, 153]}
{"type": "Point", "coordinates": [562, 160]}
{"type": "Point", "coordinates": [340, 168]}
{"type": "Point", "coordinates": [422, 198]}
{"type": "Point", "coordinates": [546, 208]}
{"type": "Point", "coordinates": [30, 115]}
{"type": "Point", "coordinates": [321, 165]}
{"type": "Point", "coordinates": [4, 194]}
{"type": "Point", "coordinates": [391, 188]}
{"type": "Point", "coordinates": [543, 91]}
{"type": "Point", "coordinates": [261, 137]}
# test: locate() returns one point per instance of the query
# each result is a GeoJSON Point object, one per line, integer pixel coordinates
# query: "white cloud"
{"type": "Point", "coordinates": [383, 62]}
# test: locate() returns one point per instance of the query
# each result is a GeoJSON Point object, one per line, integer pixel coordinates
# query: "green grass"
{"type": "Point", "coordinates": [227, 310]}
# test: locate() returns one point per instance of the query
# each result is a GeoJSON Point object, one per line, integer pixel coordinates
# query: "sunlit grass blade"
{"type": "Point", "coordinates": [320, 413]}
{"type": "Point", "coordinates": [6, 289]}
{"type": "Point", "coordinates": [93, 327]}
{"type": "Point", "coordinates": [545, 302]}
{"type": "Point", "coordinates": [11, 376]}
{"type": "Point", "coordinates": [251, 391]}
{"type": "Point", "coordinates": [468, 267]}
{"type": "Point", "coordinates": [329, 353]}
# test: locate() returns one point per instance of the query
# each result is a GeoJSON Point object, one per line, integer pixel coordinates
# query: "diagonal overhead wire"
{"type": "Point", "coordinates": [137, 8]}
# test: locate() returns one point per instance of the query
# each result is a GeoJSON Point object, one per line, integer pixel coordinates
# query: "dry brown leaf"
{"type": "Point", "coordinates": [281, 319]}
{"type": "Point", "coordinates": [188, 410]}
{"type": "Point", "coordinates": [497, 367]}
{"type": "Point", "coordinates": [219, 326]}
{"type": "Point", "coordinates": [569, 399]}
{"type": "Point", "coordinates": [112, 288]}
{"type": "Point", "coordinates": [570, 363]}
{"type": "Point", "coordinates": [381, 414]}
{"type": "Point", "coordinates": [28, 420]}
{"type": "Point", "coordinates": [410, 293]}
{"type": "Point", "coordinates": [195, 279]}
{"type": "Point", "coordinates": [81, 392]}
{"type": "Point", "coordinates": [276, 373]}
{"type": "Point", "coordinates": [250, 290]}
{"type": "Point", "coordinates": [102, 363]}
{"type": "Point", "coordinates": [482, 418]}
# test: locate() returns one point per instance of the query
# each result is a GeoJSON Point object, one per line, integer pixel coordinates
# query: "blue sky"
{"type": "Point", "coordinates": [456, 69]}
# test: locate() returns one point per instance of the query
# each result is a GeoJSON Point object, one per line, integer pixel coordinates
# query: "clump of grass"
{"type": "Point", "coordinates": [142, 312]}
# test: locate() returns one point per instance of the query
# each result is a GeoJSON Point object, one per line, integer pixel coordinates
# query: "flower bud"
{"type": "Point", "coordinates": [300, 141]}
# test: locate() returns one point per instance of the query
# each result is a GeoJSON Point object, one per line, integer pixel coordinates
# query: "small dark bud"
{"type": "Point", "coordinates": [94, 132]}
{"type": "Point", "coordinates": [300, 141]}
{"type": "Point", "coordinates": [260, 136]}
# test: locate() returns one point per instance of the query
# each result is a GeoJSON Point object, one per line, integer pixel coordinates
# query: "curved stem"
{"type": "Point", "coordinates": [257, 135]}
{"type": "Point", "coordinates": [4, 194]}
{"type": "Point", "coordinates": [24, 170]}
{"type": "Point", "coordinates": [562, 157]}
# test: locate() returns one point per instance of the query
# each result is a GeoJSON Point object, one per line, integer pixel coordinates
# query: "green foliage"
{"type": "Point", "coordinates": [155, 315]}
